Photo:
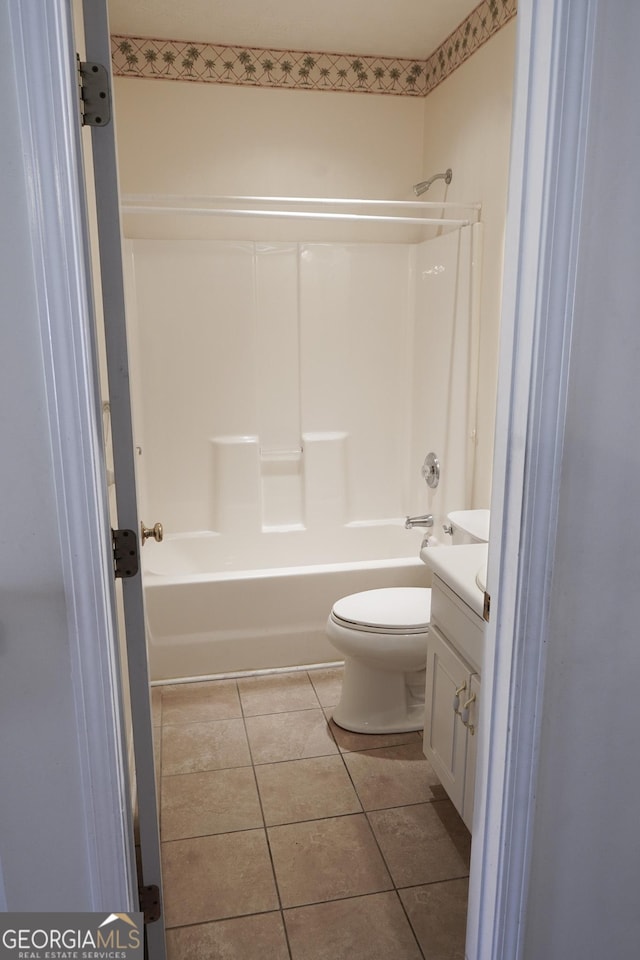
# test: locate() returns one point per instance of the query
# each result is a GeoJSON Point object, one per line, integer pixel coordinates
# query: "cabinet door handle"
{"type": "Point", "coordinates": [456, 699]}
{"type": "Point", "coordinates": [464, 714]}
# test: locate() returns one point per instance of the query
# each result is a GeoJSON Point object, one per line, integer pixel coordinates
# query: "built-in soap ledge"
{"type": "Point", "coordinates": [281, 456]}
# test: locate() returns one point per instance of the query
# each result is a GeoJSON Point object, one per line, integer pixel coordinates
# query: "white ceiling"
{"type": "Point", "coordinates": [391, 28]}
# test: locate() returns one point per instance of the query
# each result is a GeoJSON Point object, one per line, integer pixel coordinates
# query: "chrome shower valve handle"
{"type": "Point", "coordinates": [431, 470]}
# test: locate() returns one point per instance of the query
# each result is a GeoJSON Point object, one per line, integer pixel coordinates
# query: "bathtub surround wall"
{"type": "Point", "coordinates": [295, 386]}
{"type": "Point", "coordinates": [445, 385]}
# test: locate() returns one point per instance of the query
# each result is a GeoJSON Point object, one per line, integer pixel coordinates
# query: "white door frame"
{"type": "Point", "coordinates": [105, 170]}
{"type": "Point", "coordinates": [551, 107]}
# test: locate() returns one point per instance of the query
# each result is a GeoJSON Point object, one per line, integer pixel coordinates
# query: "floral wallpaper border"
{"type": "Point", "coordinates": [257, 67]}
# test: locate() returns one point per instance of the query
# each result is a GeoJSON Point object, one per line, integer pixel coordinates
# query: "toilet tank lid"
{"type": "Point", "coordinates": [390, 607]}
{"type": "Point", "coordinates": [473, 522]}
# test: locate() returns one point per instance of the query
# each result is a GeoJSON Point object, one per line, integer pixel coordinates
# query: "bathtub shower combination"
{"type": "Point", "coordinates": [286, 388]}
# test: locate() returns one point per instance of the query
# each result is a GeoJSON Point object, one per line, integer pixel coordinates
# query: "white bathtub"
{"type": "Point", "coordinates": [217, 604]}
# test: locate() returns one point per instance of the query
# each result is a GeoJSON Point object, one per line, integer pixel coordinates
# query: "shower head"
{"type": "Point", "coordinates": [423, 186]}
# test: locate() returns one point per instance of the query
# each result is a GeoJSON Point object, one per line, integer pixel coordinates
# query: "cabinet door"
{"type": "Point", "coordinates": [472, 750]}
{"type": "Point", "coordinates": [445, 736]}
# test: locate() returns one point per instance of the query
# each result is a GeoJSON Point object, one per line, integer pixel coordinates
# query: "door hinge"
{"type": "Point", "coordinates": [150, 902]}
{"type": "Point", "coordinates": [486, 608]}
{"type": "Point", "coordinates": [95, 96]}
{"type": "Point", "coordinates": [126, 562]}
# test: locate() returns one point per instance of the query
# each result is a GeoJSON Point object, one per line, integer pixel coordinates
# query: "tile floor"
{"type": "Point", "coordinates": [285, 837]}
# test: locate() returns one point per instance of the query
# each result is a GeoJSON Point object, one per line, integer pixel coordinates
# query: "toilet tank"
{"type": "Point", "coordinates": [469, 526]}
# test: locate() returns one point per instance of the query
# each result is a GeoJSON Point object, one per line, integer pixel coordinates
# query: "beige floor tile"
{"type": "Point", "coordinates": [277, 693]}
{"type": "Point", "coordinates": [306, 790]}
{"type": "Point", "coordinates": [393, 776]}
{"type": "Point", "coordinates": [189, 747]}
{"type": "Point", "coordinates": [348, 741]}
{"type": "Point", "coordinates": [438, 914]}
{"type": "Point", "coordinates": [157, 760]}
{"type": "Point", "coordinates": [289, 736]}
{"type": "Point", "coordinates": [423, 843]}
{"type": "Point", "coordinates": [212, 878]}
{"type": "Point", "coordinates": [157, 750]}
{"type": "Point", "coordinates": [215, 801]}
{"type": "Point", "coordinates": [219, 886]}
{"type": "Point", "coordinates": [193, 702]}
{"type": "Point", "coordinates": [366, 928]}
{"type": "Point", "coordinates": [328, 684]}
{"type": "Point", "coordinates": [326, 860]}
{"type": "Point", "coordinates": [259, 937]}
{"type": "Point", "coordinates": [156, 706]}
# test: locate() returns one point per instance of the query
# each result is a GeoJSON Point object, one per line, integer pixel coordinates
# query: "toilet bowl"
{"type": "Point", "coordinates": [382, 635]}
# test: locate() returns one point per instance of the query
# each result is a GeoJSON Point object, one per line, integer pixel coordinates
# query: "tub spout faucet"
{"type": "Point", "coordinates": [426, 520]}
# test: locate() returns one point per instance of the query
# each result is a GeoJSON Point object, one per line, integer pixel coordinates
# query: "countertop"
{"type": "Point", "coordinates": [458, 567]}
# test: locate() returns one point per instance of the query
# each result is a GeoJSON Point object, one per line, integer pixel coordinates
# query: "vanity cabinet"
{"type": "Point", "coordinates": [452, 693]}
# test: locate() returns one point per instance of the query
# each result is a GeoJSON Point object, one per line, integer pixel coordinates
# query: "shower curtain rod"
{"type": "Point", "coordinates": [295, 214]}
{"type": "Point", "coordinates": [161, 200]}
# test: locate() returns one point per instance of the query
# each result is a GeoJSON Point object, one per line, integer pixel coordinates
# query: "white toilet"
{"type": "Point", "coordinates": [382, 635]}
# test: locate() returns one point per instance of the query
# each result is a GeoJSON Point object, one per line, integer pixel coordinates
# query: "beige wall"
{"type": "Point", "coordinates": [467, 126]}
{"type": "Point", "coordinates": [200, 139]}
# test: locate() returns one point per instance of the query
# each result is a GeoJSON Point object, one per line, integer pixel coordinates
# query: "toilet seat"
{"type": "Point", "coordinates": [390, 610]}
